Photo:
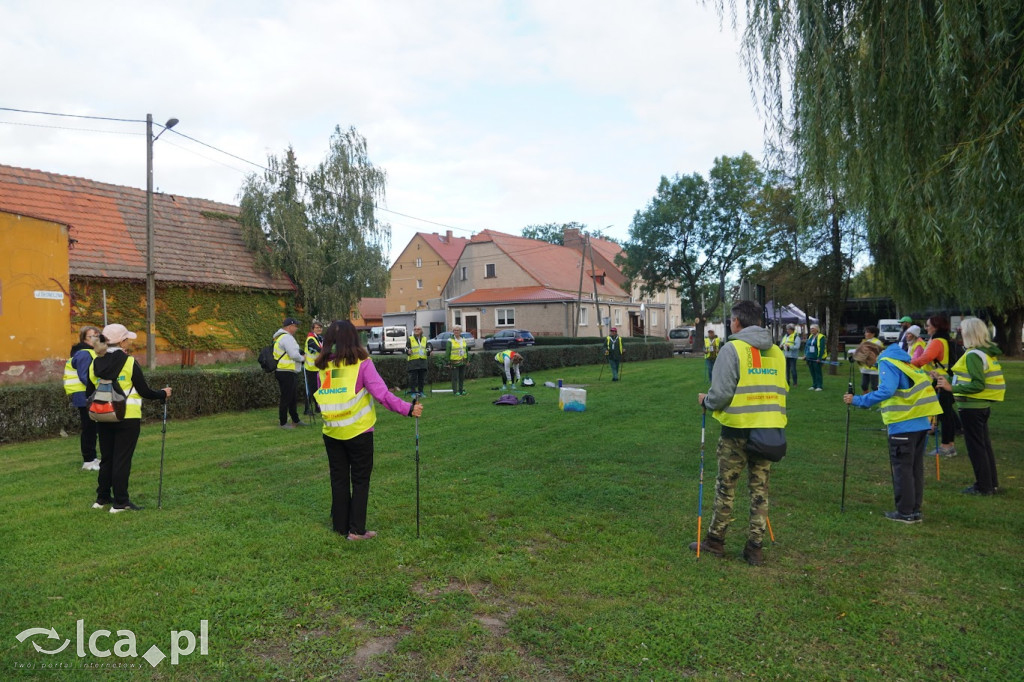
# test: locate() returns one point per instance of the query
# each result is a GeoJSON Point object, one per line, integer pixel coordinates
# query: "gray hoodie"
{"type": "Point", "coordinates": [727, 368]}
{"type": "Point", "coordinates": [291, 347]}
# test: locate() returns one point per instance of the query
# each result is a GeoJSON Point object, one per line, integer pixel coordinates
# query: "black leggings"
{"type": "Point", "coordinates": [350, 462]}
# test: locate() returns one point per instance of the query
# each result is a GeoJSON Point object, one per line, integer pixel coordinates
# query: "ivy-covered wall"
{"type": "Point", "coordinates": [197, 318]}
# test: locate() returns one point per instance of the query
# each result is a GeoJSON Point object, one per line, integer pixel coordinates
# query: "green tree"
{"type": "Point", "coordinates": [554, 233]}
{"type": "Point", "coordinates": [695, 232]}
{"type": "Point", "coordinates": [914, 113]}
{"type": "Point", "coordinates": [320, 227]}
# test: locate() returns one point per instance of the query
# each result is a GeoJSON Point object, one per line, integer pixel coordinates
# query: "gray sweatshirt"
{"type": "Point", "coordinates": [727, 368]}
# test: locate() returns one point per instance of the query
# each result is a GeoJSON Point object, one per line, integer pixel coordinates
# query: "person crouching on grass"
{"type": "Point", "coordinates": [349, 382]}
{"type": "Point", "coordinates": [907, 400]}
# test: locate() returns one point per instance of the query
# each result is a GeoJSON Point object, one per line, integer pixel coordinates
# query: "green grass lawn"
{"type": "Point", "coordinates": [553, 547]}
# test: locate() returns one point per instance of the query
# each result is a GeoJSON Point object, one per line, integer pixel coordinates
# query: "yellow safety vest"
{"type": "Point", "coordinates": [871, 369]}
{"type": "Point", "coordinates": [500, 357]}
{"type": "Point", "coordinates": [920, 400]}
{"type": "Point", "coordinates": [346, 414]}
{"type": "Point", "coordinates": [711, 348]}
{"type": "Point", "coordinates": [609, 343]}
{"type": "Point", "coordinates": [918, 343]}
{"type": "Point", "coordinates": [789, 340]}
{"type": "Point", "coordinates": [72, 383]}
{"type": "Point", "coordinates": [995, 383]}
{"type": "Point", "coordinates": [312, 352]}
{"type": "Point", "coordinates": [417, 349]}
{"type": "Point", "coordinates": [943, 362]}
{"type": "Point", "coordinates": [459, 352]}
{"type": "Point", "coordinates": [284, 361]}
{"type": "Point", "coordinates": [132, 400]}
{"type": "Point", "coordinates": [760, 398]}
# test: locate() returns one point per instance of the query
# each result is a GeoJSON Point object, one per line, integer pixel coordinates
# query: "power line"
{"type": "Point", "coordinates": [53, 113]}
{"type": "Point", "coordinates": [86, 130]}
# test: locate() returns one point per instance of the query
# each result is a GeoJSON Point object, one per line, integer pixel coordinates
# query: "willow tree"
{"type": "Point", "coordinates": [914, 113]}
{"type": "Point", "coordinates": [320, 227]}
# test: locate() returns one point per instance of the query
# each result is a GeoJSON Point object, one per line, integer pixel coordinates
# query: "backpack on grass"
{"type": "Point", "coordinates": [507, 399]}
{"type": "Point", "coordinates": [107, 402]}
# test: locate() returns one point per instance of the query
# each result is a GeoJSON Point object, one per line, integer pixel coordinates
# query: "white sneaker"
{"type": "Point", "coordinates": [91, 466]}
{"type": "Point", "coordinates": [95, 465]}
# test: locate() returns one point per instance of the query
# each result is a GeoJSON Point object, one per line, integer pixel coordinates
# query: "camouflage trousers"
{"type": "Point", "coordinates": [731, 460]}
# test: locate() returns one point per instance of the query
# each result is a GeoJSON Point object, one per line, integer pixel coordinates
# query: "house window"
{"type": "Point", "coordinates": [584, 316]}
{"type": "Point", "coordinates": [419, 262]}
{"type": "Point", "coordinates": [489, 271]}
{"type": "Point", "coordinates": [419, 284]}
{"type": "Point", "coordinates": [505, 317]}
{"type": "Point", "coordinates": [457, 318]}
{"type": "Point", "coordinates": [618, 317]}
{"type": "Point", "coordinates": [654, 318]}
{"type": "Point", "coordinates": [462, 273]}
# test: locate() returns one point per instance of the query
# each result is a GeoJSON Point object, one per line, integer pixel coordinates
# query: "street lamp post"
{"type": "Point", "coordinates": [150, 267]}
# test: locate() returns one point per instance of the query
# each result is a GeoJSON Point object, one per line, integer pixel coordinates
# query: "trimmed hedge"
{"type": "Point", "coordinates": [43, 411]}
{"type": "Point", "coordinates": [589, 340]}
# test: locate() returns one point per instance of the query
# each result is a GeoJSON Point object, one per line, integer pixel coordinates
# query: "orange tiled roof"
{"type": "Point", "coordinates": [606, 248]}
{"type": "Point", "coordinates": [552, 266]}
{"type": "Point", "coordinates": [108, 223]}
{"type": "Point", "coordinates": [371, 308]}
{"type": "Point", "coordinates": [449, 248]}
{"type": "Point", "coordinates": [513, 295]}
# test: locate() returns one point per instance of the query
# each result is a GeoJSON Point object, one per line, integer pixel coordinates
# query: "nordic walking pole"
{"type": "Point", "coordinates": [163, 441]}
{"type": "Point", "coordinates": [846, 454]}
{"type": "Point", "coordinates": [769, 522]}
{"type": "Point", "coordinates": [700, 487]}
{"type": "Point", "coordinates": [417, 474]}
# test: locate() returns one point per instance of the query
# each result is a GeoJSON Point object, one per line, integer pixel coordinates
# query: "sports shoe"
{"type": "Point", "coordinates": [100, 504]}
{"type": "Point", "coordinates": [812, 389]}
{"type": "Point", "coordinates": [301, 424]}
{"type": "Point", "coordinates": [903, 518]}
{"type": "Point", "coordinates": [287, 426]}
{"type": "Point", "coordinates": [819, 389]}
{"type": "Point", "coordinates": [131, 506]}
{"type": "Point", "coordinates": [973, 490]}
{"type": "Point", "coordinates": [94, 465]}
{"type": "Point", "coordinates": [365, 536]}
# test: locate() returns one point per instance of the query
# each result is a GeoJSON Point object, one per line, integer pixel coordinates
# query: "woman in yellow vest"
{"type": "Point", "coordinates": [118, 439]}
{"type": "Point", "coordinates": [978, 383]}
{"type": "Point", "coordinates": [907, 399]}
{"type": "Point", "coordinates": [418, 351]}
{"type": "Point", "coordinates": [76, 373]}
{"type": "Point", "coordinates": [348, 385]}
{"type": "Point", "coordinates": [935, 361]}
{"type": "Point", "coordinates": [869, 373]}
{"type": "Point", "coordinates": [456, 354]}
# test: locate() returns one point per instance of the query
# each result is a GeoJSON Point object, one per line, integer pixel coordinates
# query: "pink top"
{"type": "Point", "coordinates": [370, 379]}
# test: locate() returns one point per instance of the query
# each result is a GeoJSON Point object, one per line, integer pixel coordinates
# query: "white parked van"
{"type": "Point", "coordinates": [889, 331]}
{"type": "Point", "coordinates": [386, 339]}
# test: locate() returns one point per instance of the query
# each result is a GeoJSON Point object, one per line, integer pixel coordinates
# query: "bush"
{"type": "Point", "coordinates": [43, 411]}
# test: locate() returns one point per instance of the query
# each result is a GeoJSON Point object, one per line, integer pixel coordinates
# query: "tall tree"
{"type": "Point", "coordinates": [696, 232]}
{"type": "Point", "coordinates": [320, 227]}
{"type": "Point", "coordinates": [914, 112]}
{"type": "Point", "coordinates": [554, 233]}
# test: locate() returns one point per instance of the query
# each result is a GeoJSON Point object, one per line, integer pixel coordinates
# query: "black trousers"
{"type": "Point", "coordinates": [979, 449]}
{"type": "Point", "coordinates": [906, 457]}
{"type": "Point", "coordinates": [286, 381]}
{"type": "Point", "coordinates": [350, 462]}
{"type": "Point", "coordinates": [117, 445]}
{"type": "Point", "coordinates": [312, 384]}
{"type": "Point", "coordinates": [417, 377]}
{"type": "Point", "coordinates": [87, 439]}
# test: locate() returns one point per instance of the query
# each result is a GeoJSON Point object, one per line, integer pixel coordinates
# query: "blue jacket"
{"type": "Point", "coordinates": [80, 360]}
{"type": "Point", "coordinates": [890, 380]}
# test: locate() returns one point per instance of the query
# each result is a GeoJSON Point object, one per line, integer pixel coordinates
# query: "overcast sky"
{"type": "Point", "coordinates": [484, 114]}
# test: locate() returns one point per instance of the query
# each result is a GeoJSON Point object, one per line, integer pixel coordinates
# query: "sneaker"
{"type": "Point", "coordinates": [287, 426]}
{"type": "Point", "coordinates": [903, 518]}
{"type": "Point", "coordinates": [100, 504]}
{"type": "Point", "coordinates": [818, 389]}
{"type": "Point", "coordinates": [947, 452]}
{"type": "Point", "coordinates": [812, 389]}
{"type": "Point", "coordinates": [973, 490]}
{"type": "Point", "coordinates": [918, 518]}
{"type": "Point", "coordinates": [131, 506]}
{"type": "Point", "coordinates": [301, 424]}
{"type": "Point", "coordinates": [94, 465]}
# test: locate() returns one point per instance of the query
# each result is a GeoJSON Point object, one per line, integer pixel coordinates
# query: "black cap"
{"type": "Point", "coordinates": [289, 321]}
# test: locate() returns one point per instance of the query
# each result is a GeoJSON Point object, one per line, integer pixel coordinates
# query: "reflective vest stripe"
{"type": "Point", "coordinates": [284, 362]}
{"type": "Point", "coordinates": [337, 423]}
{"type": "Point", "coordinates": [344, 417]}
{"type": "Point", "coordinates": [347, 405]}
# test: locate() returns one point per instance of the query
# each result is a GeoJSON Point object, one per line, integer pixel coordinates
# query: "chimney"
{"type": "Point", "coordinates": [448, 236]}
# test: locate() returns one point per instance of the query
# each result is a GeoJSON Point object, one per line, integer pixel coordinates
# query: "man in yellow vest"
{"type": "Point", "coordinates": [418, 351]}
{"type": "Point", "coordinates": [289, 365]}
{"type": "Point", "coordinates": [907, 399]}
{"type": "Point", "coordinates": [748, 391]}
{"type": "Point", "coordinates": [613, 351]}
{"type": "Point", "coordinates": [711, 347]}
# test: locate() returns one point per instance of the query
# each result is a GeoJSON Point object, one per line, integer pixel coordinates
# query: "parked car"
{"type": "Point", "coordinates": [386, 339]}
{"type": "Point", "coordinates": [440, 342]}
{"type": "Point", "coordinates": [509, 338]}
{"type": "Point", "coordinates": [682, 339]}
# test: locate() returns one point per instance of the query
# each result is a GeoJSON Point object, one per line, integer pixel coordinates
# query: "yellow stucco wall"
{"type": "Point", "coordinates": [35, 312]}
